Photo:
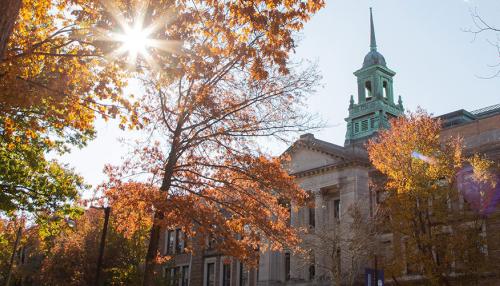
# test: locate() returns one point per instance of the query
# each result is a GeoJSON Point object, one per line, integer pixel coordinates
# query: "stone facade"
{"type": "Point", "coordinates": [338, 177]}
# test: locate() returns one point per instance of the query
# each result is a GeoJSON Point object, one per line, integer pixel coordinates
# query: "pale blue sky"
{"type": "Point", "coordinates": [437, 65]}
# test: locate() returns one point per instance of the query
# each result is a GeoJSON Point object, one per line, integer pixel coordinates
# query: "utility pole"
{"type": "Point", "coordinates": [14, 250]}
{"type": "Point", "coordinates": [107, 211]}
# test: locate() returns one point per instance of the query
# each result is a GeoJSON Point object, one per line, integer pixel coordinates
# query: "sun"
{"type": "Point", "coordinates": [134, 41]}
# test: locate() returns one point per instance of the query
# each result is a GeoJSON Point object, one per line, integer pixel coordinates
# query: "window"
{"type": "Point", "coordinates": [211, 241]}
{"type": "Point", "coordinates": [338, 261]}
{"type": "Point", "coordinates": [411, 267]}
{"type": "Point", "coordinates": [356, 127]}
{"type": "Point", "coordinates": [312, 271]}
{"type": "Point", "coordinates": [483, 246]}
{"type": "Point", "coordinates": [364, 125]}
{"type": "Point", "coordinates": [172, 276]}
{"type": "Point", "coordinates": [368, 90]}
{"type": "Point", "coordinates": [287, 266]}
{"type": "Point", "coordinates": [185, 275]}
{"type": "Point", "coordinates": [312, 219]}
{"type": "Point", "coordinates": [210, 279]}
{"type": "Point", "coordinates": [168, 276]}
{"type": "Point", "coordinates": [170, 242]}
{"type": "Point", "coordinates": [184, 242]}
{"type": "Point", "coordinates": [178, 248]}
{"type": "Point", "coordinates": [336, 208]}
{"type": "Point", "coordinates": [243, 275]}
{"type": "Point", "coordinates": [385, 89]}
{"type": "Point", "coordinates": [372, 122]}
{"type": "Point", "coordinates": [226, 274]}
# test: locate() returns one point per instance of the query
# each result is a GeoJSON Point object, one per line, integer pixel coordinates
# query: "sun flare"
{"type": "Point", "coordinates": [135, 39]}
{"type": "Point", "coordinates": [134, 42]}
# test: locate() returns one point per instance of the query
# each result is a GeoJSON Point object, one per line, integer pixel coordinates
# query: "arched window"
{"type": "Point", "coordinates": [385, 88]}
{"type": "Point", "coordinates": [368, 90]}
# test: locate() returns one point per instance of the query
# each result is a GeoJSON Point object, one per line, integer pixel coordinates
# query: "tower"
{"type": "Point", "coordinates": [375, 101]}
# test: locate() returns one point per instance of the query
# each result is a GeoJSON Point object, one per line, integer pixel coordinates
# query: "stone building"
{"type": "Point", "coordinates": [338, 178]}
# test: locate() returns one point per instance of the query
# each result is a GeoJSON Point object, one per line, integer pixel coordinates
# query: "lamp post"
{"type": "Point", "coordinates": [107, 211]}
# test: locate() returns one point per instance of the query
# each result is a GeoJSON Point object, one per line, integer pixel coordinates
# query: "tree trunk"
{"type": "Point", "coordinates": [8, 16]}
{"type": "Point", "coordinates": [154, 239]}
{"type": "Point", "coordinates": [154, 242]}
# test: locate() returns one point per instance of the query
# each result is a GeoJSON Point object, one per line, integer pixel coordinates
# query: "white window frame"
{"type": "Point", "coordinates": [205, 268]}
{"type": "Point", "coordinates": [180, 271]}
{"type": "Point", "coordinates": [221, 270]}
{"type": "Point", "coordinates": [238, 274]}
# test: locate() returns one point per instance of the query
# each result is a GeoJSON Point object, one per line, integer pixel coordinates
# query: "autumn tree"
{"type": "Point", "coordinates": [8, 230]}
{"type": "Point", "coordinates": [54, 80]}
{"type": "Point", "coordinates": [20, 257]}
{"type": "Point", "coordinates": [435, 233]}
{"type": "Point", "coordinates": [72, 259]}
{"type": "Point", "coordinates": [64, 251]}
{"type": "Point", "coordinates": [231, 83]}
{"type": "Point", "coordinates": [351, 240]}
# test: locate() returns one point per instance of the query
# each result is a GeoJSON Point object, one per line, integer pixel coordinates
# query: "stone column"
{"type": "Point", "coordinates": [318, 212]}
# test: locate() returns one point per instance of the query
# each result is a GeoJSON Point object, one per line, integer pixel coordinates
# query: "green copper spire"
{"type": "Point", "coordinates": [373, 41]}
{"type": "Point", "coordinates": [375, 105]}
{"type": "Point", "coordinates": [373, 57]}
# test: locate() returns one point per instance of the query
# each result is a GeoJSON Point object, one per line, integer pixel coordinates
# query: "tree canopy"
{"type": "Point", "coordinates": [434, 228]}
{"type": "Point", "coordinates": [54, 79]}
{"type": "Point", "coordinates": [216, 77]}
{"type": "Point", "coordinates": [230, 82]}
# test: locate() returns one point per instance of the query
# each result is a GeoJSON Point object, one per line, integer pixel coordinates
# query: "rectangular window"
{"type": "Point", "coordinates": [210, 279]}
{"type": "Point", "coordinates": [185, 275]}
{"type": "Point", "coordinates": [184, 242]}
{"type": "Point", "coordinates": [226, 274]}
{"type": "Point", "coordinates": [338, 261]}
{"type": "Point", "coordinates": [175, 277]}
{"type": "Point", "coordinates": [336, 209]}
{"type": "Point", "coordinates": [378, 198]}
{"type": "Point", "coordinates": [372, 123]}
{"type": "Point", "coordinates": [312, 272]}
{"type": "Point", "coordinates": [168, 276]}
{"type": "Point", "coordinates": [356, 127]}
{"type": "Point", "coordinates": [368, 90]}
{"type": "Point", "coordinates": [210, 241]}
{"type": "Point", "coordinates": [287, 266]}
{"type": "Point", "coordinates": [312, 219]}
{"type": "Point", "coordinates": [411, 268]}
{"type": "Point", "coordinates": [243, 275]}
{"type": "Point", "coordinates": [385, 89]}
{"type": "Point", "coordinates": [172, 276]}
{"type": "Point", "coordinates": [170, 242]}
{"type": "Point", "coordinates": [177, 241]}
{"type": "Point", "coordinates": [364, 125]}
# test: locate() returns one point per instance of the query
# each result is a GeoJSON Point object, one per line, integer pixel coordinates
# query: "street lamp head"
{"type": "Point", "coordinates": [71, 223]}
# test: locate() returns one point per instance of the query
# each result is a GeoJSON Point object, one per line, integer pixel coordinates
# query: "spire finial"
{"type": "Point", "coordinates": [373, 42]}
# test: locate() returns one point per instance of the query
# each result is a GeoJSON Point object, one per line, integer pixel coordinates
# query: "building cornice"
{"type": "Point", "coordinates": [324, 169]}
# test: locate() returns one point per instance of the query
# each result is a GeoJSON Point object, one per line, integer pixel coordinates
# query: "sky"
{"type": "Point", "coordinates": [438, 66]}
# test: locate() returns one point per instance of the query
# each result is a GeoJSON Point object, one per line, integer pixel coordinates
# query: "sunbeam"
{"type": "Point", "coordinates": [136, 41]}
